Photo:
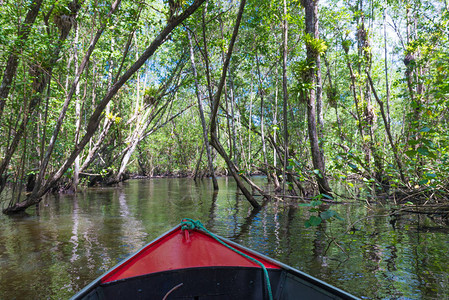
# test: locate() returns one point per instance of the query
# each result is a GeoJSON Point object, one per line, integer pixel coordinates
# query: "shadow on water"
{"type": "Point", "coordinates": [74, 238]}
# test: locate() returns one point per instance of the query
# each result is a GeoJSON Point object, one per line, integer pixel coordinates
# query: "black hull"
{"type": "Point", "coordinates": [215, 283]}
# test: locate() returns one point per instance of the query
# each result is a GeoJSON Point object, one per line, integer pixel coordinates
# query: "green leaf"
{"type": "Point", "coordinates": [327, 214]}
{"type": "Point", "coordinates": [313, 221]}
{"type": "Point", "coordinates": [315, 203]}
{"type": "Point", "coordinates": [424, 181]}
{"type": "Point", "coordinates": [428, 143]}
{"type": "Point", "coordinates": [424, 151]}
{"type": "Point", "coordinates": [411, 153]}
{"type": "Point", "coordinates": [352, 166]}
{"type": "Point", "coordinates": [431, 175]}
{"type": "Point", "coordinates": [425, 129]}
{"type": "Point", "coordinates": [318, 173]}
{"type": "Point", "coordinates": [339, 218]}
{"type": "Point", "coordinates": [327, 196]}
{"type": "Point", "coordinates": [431, 155]}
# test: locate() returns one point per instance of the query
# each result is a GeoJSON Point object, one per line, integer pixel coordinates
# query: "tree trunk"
{"type": "Point", "coordinates": [369, 114]}
{"type": "Point", "coordinates": [285, 91]}
{"type": "Point", "coordinates": [357, 116]}
{"type": "Point", "coordinates": [216, 103]}
{"type": "Point", "coordinates": [108, 122]}
{"type": "Point", "coordinates": [235, 151]}
{"type": "Point", "coordinates": [388, 131]}
{"type": "Point", "coordinates": [99, 141]}
{"type": "Point", "coordinates": [231, 140]}
{"type": "Point", "coordinates": [76, 167]}
{"type": "Point", "coordinates": [319, 97]}
{"type": "Point", "coordinates": [275, 119]}
{"type": "Point", "coordinates": [311, 22]}
{"type": "Point", "coordinates": [262, 120]}
{"type": "Point", "coordinates": [319, 93]}
{"type": "Point", "coordinates": [203, 120]}
{"type": "Point", "coordinates": [387, 82]}
{"type": "Point", "coordinates": [141, 131]}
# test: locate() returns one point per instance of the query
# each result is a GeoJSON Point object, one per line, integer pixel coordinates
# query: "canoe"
{"type": "Point", "coordinates": [190, 262]}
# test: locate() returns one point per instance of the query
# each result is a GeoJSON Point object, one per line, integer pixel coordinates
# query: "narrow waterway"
{"type": "Point", "coordinates": [72, 239]}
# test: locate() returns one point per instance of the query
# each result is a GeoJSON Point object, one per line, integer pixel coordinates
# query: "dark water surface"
{"type": "Point", "coordinates": [75, 238]}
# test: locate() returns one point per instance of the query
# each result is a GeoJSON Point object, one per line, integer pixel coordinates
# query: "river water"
{"type": "Point", "coordinates": [54, 252]}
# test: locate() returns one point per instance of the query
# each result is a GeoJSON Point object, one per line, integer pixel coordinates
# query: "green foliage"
{"type": "Point", "coordinates": [332, 95]}
{"type": "Point", "coordinates": [317, 46]}
{"type": "Point", "coordinates": [302, 69]}
{"type": "Point", "coordinates": [322, 215]}
{"type": "Point", "coordinates": [346, 44]}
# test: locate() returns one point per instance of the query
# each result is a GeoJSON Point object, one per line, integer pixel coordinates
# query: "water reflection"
{"type": "Point", "coordinates": [213, 207]}
{"type": "Point", "coordinates": [77, 237]}
{"type": "Point", "coordinates": [74, 238]}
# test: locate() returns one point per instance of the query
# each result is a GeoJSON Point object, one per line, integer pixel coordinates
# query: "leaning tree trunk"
{"type": "Point", "coordinates": [44, 164]}
{"type": "Point", "coordinates": [96, 117]}
{"type": "Point", "coordinates": [203, 120]}
{"type": "Point", "coordinates": [311, 20]}
{"type": "Point", "coordinates": [388, 130]}
{"type": "Point", "coordinates": [141, 130]}
{"type": "Point", "coordinates": [108, 121]}
{"type": "Point", "coordinates": [216, 103]}
{"type": "Point", "coordinates": [231, 139]}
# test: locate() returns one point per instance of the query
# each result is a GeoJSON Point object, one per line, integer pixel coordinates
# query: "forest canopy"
{"type": "Point", "coordinates": [310, 94]}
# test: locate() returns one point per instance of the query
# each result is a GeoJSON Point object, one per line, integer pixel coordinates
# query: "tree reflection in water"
{"type": "Point", "coordinates": [75, 238]}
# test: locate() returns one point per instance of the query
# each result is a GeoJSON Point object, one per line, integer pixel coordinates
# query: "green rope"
{"type": "Point", "coordinates": [190, 224]}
